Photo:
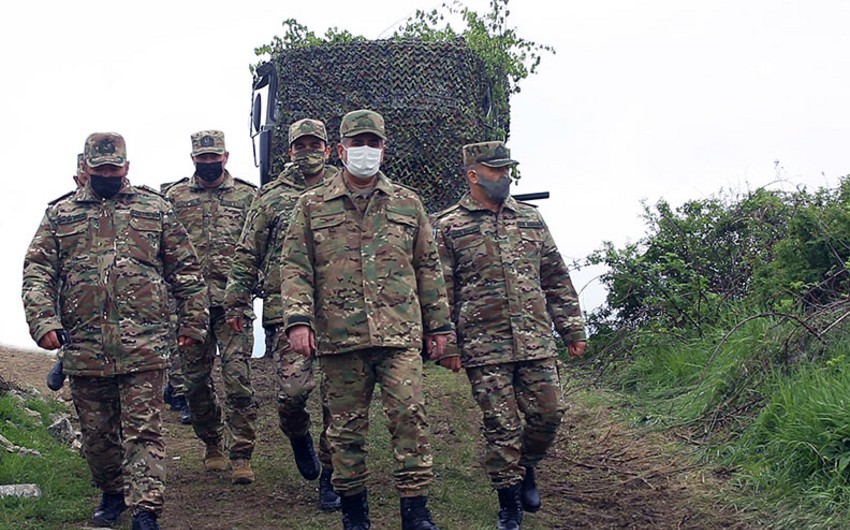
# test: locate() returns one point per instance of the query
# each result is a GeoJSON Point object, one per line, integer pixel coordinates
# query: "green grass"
{"type": "Point", "coordinates": [460, 496]}
{"type": "Point", "coordinates": [798, 448]}
{"type": "Point", "coordinates": [783, 428]}
{"type": "Point", "coordinates": [61, 473]}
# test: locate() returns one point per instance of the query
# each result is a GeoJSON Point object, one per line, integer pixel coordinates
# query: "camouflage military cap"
{"type": "Point", "coordinates": [105, 148]}
{"type": "Point", "coordinates": [208, 142]}
{"type": "Point", "coordinates": [307, 127]}
{"type": "Point", "coordinates": [362, 121]}
{"type": "Point", "coordinates": [490, 154]}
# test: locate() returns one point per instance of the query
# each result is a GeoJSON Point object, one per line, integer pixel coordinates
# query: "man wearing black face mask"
{"type": "Point", "coordinates": [96, 281]}
{"type": "Point", "coordinates": [213, 206]}
{"type": "Point", "coordinates": [56, 376]}
{"type": "Point", "coordinates": [507, 287]}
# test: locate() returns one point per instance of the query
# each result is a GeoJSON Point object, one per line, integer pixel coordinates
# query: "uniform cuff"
{"type": "Point", "coordinates": [575, 336]}
{"type": "Point", "coordinates": [442, 330]}
{"type": "Point", "coordinates": [298, 320]}
{"type": "Point", "coordinates": [39, 330]}
{"type": "Point", "coordinates": [198, 336]}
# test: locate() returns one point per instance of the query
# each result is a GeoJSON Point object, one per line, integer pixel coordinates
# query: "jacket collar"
{"type": "Point", "coordinates": [225, 184]}
{"type": "Point", "coordinates": [87, 194]}
{"type": "Point", "coordinates": [336, 186]}
{"type": "Point", "coordinates": [468, 203]}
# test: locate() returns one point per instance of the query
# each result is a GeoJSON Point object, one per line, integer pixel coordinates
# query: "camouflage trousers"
{"type": "Point", "coordinates": [175, 372]}
{"type": "Point", "coordinates": [175, 362]}
{"type": "Point", "coordinates": [270, 331]}
{"type": "Point", "coordinates": [350, 380]}
{"type": "Point", "coordinates": [503, 391]}
{"type": "Point", "coordinates": [295, 381]}
{"type": "Point", "coordinates": [122, 434]}
{"type": "Point", "coordinates": [240, 406]}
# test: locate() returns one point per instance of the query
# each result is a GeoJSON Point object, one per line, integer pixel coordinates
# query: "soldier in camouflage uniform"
{"type": "Point", "coordinates": [257, 261]}
{"type": "Point", "coordinates": [81, 178]}
{"type": "Point", "coordinates": [507, 285]}
{"type": "Point", "coordinates": [361, 278]}
{"type": "Point", "coordinates": [96, 278]}
{"type": "Point", "coordinates": [56, 376]}
{"type": "Point", "coordinates": [212, 205]}
{"type": "Point", "coordinates": [175, 384]}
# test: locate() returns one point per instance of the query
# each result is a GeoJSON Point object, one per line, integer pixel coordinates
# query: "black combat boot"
{"type": "Point", "coordinates": [109, 511]}
{"type": "Point", "coordinates": [145, 521]}
{"type": "Point", "coordinates": [510, 509]}
{"type": "Point", "coordinates": [56, 377]}
{"type": "Point", "coordinates": [415, 514]}
{"type": "Point", "coordinates": [328, 498]}
{"type": "Point", "coordinates": [529, 497]}
{"type": "Point", "coordinates": [305, 457]}
{"type": "Point", "coordinates": [168, 395]}
{"type": "Point", "coordinates": [355, 512]}
{"type": "Point", "coordinates": [181, 404]}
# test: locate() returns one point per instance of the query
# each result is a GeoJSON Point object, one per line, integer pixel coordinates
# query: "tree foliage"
{"type": "Point", "coordinates": [507, 57]}
{"type": "Point", "coordinates": [772, 250]}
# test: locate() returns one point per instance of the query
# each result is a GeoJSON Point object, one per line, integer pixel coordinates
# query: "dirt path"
{"type": "Point", "coordinates": [601, 474]}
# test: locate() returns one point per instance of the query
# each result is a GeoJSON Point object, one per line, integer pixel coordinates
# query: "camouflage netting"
{"type": "Point", "coordinates": [433, 96]}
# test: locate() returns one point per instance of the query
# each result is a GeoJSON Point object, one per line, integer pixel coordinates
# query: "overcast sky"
{"type": "Point", "coordinates": [644, 100]}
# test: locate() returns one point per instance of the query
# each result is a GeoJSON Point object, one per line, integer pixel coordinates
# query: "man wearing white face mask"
{"type": "Point", "coordinates": [361, 279]}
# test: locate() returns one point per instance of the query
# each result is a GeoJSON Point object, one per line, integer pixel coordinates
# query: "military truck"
{"type": "Point", "coordinates": [434, 97]}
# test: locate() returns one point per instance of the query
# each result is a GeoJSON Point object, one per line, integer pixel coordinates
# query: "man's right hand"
{"type": "Point", "coordinates": [236, 324]}
{"type": "Point", "coordinates": [302, 340]}
{"type": "Point", "coordinates": [50, 341]}
{"type": "Point", "coordinates": [451, 363]}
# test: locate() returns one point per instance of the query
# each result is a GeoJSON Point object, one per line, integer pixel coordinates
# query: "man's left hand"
{"type": "Point", "coordinates": [576, 349]}
{"type": "Point", "coordinates": [185, 342]}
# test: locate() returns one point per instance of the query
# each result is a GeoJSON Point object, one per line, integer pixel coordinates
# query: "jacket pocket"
{"type": "Point", "coordinates": [72, 235]}
{"type": "Point", "coordinates": [144, 236]}
{"type": "Point", "coordinates": [330, 236]}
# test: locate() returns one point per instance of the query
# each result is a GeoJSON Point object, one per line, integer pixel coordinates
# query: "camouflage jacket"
{"type": "Point", "coordinates": [507, 283]}
{"type": "Point", "coordinates": [362, 280]}
{"type": "Point", "coordinates": [256, 264]}
{"type": "Point", "coordinates": [214, 218]}
{"type": "Point", "coordinates": [102, 269]}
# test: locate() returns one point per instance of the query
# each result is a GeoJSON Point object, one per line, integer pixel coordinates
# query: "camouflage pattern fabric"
{"type": "Point", "coordinates": [503, 391]}
{"type": "Point", "coordinates": [490, 154]}
{"type": "Point", "coordinates": [208, 142]}
{"type": "Point", "coordinates": [174, 373]}
{"type": "Point", "coordinates": [102, 269]}
{"type": "Point", "coordinates": [174, 369]}
{"type": "Point", "coordinates": [256, 262]}
{"type": "Point", "coordinates": [307, 127]}
{"type": "Point", "coordinates": [213, 217]}
{"type": "Point", "coordinates": [122, 434]}
{"type": "Point", "coordinates": [507, 283]}
{"type": "Point", "coordinates": [106, 148]}
{"type": "Point", "coordinates": [295, 381]}
{"type": "Point", "coordinates": [433, 95]}
{"type": "Point", "coordinates": [366, 279]}
{"type": "Point", "coordinates": [240, 406]}
{"type": "Point", "coordinates": [360, 122]}
{"type": "Point", "coordinates": [350, 380]}
{"type": "Point", "coordinates": [362, 280]}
